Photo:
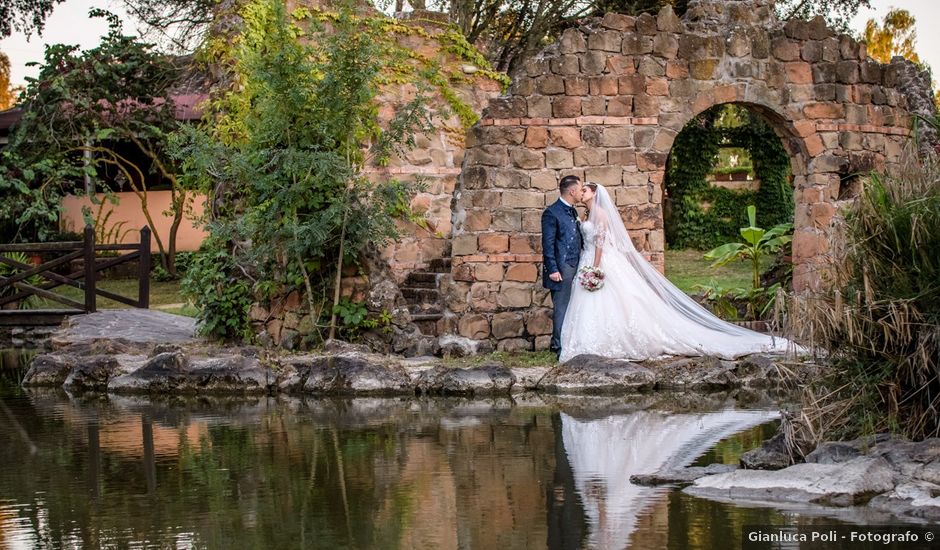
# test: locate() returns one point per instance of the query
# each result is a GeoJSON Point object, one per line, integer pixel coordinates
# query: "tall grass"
{"type": "Point", "coordinates": [881, 323]}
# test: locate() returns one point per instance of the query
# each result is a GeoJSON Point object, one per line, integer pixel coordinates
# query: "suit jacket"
{"type": "Point", "coordinates": [561, 241]}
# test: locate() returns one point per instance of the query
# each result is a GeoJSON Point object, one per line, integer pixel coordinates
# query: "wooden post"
{"type": "Point", "coordinates": [89, 246]}
{"type": "Point", "coordinates": [143, 275]}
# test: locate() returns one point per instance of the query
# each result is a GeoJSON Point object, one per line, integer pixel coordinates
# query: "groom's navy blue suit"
{"type": "Point", "coordinates": [561, 250]}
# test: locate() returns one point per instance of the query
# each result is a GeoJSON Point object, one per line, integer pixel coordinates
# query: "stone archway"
{"type": "Point", "coordinates": [606, 102]}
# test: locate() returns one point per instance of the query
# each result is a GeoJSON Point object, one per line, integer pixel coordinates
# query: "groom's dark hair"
{"type": "Point", "coordinates": [567, 182]}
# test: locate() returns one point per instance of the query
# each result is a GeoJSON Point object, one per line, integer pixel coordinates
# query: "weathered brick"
{"type": "Point", "coordinates": [576, 85]}
{"type": "Point", "coordinates": [509, 324]}
{"type": "Point", "coordinates": [590, 156]}
{"type": "Point", "coordinates": [607, 40]}
{"type": "Point", "coordinates": [488, 272]}
{"type": "Point", "coordinates": [539, 321]}
{"type": "Point", "coordinates": [464, 245]}
{"type": "Point", "coordinates": [572, 41]}
{"type": "Point", "coordinates": [618, 22]}
{"type": "Point", "coordinates": [479, 220]}
{"type": "Point", "coordinates": [520, 199]}
{"type": "Point", "coordinates": [558, 158]}
{"type": "Point", "coordinates": [620, 106]}
{"type": "Point", "coordinates": [565, 136]}
{"type": "Point", "coordinates": [608, 176]}
{"type": "Point", "coordinates": [635, 44]}
{"type": "Point", "coordinates": [525, 244]}
{"type": "Point", "coordinates": [665, 45]}
{"type": "Point", "coordinates": [526, 159]}
{"type": "Point", "coordinates": [621, 156]}
{"type": "Point", "coordinates": [550, 85]}
{"type": "Point", "coordinates": [594, 62]}
{"type": "Point", "coordinates": [566, 107]}
{"type": "Point", "coordinates": [645, 106]}
{"type": "Point", "coordinates": [702, 69]}
{"type": "Point", "coordinates": [824, 110]}
{"type": "Point", "coordinates": [514, 294]}
{"type": "Point", "coordinates": [540, 106]}
{"type": "Point", "coordinates": [536, 137]}
{"type": "Point", "coordinates": [522, 272]}
{"type": "Point", "coordinates": [475, 327]}
{"type": "Point", "coordinates": [603, 85]}
{"type": "Point", "coordinates": [565, 65]}
{"type": "Point", "coordinates": [657, 86]}
{"type": "Point", "coordinates": [799, 72]}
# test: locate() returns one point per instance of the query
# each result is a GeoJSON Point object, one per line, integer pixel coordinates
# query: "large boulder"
{"type": "Point", "coordinates": [681, 476]}
{"type": "Point", "coordinates": [174, 371]}
{"type": "Point", "coordinates": [138, 326]}
{"type": "Point", "coordinates": [916, 498]}
{"type": "Point", "coordinates": [849, 483]}
{"type": "Point", "coordinates": [354, 374]}
{"type": "Point", "coordinates": [49, 369]}
{"type": "Point", "coordinates": [85, 365]}
{"type": "Point", "coordinates": [771, 455]}
{"type": "Point", "coordinates": [698, 373]}
{"type": "Point", "coordinates": [593, 374]}
{"type": "Point", "coordinates": [486, 379]}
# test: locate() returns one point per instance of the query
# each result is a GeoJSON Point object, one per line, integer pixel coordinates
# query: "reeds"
{"type": "Point", "coordinates": [880, 323]}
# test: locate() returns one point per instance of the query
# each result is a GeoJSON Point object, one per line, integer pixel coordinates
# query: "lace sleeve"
{"type": "Point", "coordinates": [601, 234]}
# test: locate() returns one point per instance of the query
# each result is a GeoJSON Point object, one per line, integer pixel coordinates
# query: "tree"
{"type": "Point", "coordinates": [7, 94]}
{"type": "Point", "coordinates": [84, 115]}
{"type": "Point", "coordinates": [837, 13]}
{"type": "Point", "coordinates": [284, 160]}
{"type": "Point", "coordinates": [24, 15]}
{"type": "Point", "coordinates": [896, 36]}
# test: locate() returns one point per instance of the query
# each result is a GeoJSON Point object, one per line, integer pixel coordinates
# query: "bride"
{"type": "Point", "coordinates": [638, 314]}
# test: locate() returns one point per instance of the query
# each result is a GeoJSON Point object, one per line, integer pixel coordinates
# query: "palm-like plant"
{"type": "Point", "coordinates": [757, 243]}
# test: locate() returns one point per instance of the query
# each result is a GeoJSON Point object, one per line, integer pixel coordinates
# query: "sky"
{"type": "Point", "coordinates": [70, 24]}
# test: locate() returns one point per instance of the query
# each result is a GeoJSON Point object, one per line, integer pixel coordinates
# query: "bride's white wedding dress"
{"type": "Point", "coordinates": [638, 314]}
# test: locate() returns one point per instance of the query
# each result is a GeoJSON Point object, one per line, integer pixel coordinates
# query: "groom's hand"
{"type": "Point", "coordinates": [556, 276]}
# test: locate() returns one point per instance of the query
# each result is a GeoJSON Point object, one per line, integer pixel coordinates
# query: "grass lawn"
{"type": "Point", "coordinates": [687, 268]}
{"type": "Point", "coordinates": [164, 296]}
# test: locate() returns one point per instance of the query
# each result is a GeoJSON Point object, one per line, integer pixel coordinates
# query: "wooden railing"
{"type": "Point", "coordinates": [20, 284]}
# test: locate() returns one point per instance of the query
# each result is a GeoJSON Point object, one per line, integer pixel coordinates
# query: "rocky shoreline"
{"type": "Point", "coordinates": [123, 366]}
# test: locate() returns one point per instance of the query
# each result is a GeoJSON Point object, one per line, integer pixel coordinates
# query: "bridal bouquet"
{"type": "Point", "coordinates": [591, 278]}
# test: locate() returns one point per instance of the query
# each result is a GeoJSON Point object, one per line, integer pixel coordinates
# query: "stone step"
{"type": "Point", "coordinates": [422, 280]}
{"type": "Point", "coordinates": [417, 278]}
{"type": "Point", "coordinates": [422, 317]}
{"type": "Point", "coordinates": [439, 265]}
{"type": "Point", "coordinates": [414, 295]}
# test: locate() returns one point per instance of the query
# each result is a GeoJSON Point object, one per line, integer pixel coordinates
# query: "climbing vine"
{"type": "Point", "coordinates": [703, 216]}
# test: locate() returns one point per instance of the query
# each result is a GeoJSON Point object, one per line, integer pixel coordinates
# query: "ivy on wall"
{"type": "Point", "coordinates": [689, 223]}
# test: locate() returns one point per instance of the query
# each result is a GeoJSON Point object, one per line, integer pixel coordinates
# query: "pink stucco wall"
{"type": "Point", "coordinates": [128, 211]}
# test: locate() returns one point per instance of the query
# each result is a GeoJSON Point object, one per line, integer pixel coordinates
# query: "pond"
{"type": "Point", "coordinates": [534, 472]}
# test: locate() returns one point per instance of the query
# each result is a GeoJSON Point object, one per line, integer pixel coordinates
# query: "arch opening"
{"type": "Point", "coordinates": [725, 159]}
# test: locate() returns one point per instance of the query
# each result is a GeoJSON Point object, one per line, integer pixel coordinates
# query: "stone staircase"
{"type": "Point", "coordinates": [420, 291]}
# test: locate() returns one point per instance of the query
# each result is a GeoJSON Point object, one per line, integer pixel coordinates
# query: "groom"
{"type": "Point", "coordinates": [561, 248]}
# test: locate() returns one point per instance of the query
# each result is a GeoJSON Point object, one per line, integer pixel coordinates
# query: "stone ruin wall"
{"type": "Point", "coordinates": [606, 102]}
{"type": "Point", "coordinates": [436, 160]}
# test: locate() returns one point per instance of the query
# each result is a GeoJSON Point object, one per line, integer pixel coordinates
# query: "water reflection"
{"type": "Point", "coordinates": [115, 471]}
{"type": "Point", "coordinates": [604, 453]}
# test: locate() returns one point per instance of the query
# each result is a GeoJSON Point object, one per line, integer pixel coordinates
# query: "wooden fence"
{"type": "Point", "coordinates": [21, 283]}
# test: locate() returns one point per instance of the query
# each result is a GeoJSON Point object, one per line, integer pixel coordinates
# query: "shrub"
{"type": "Point", "coordinates": [881, 323]}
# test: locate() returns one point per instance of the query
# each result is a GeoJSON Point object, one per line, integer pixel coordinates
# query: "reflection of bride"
{"type": "Point", "coordinates": [604, 453]}
{"type": "Point", "coordinates": [638, 314]}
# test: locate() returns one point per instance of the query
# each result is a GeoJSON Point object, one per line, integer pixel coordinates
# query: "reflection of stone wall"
{"type": "Point", "coordinates": [606, 101]}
